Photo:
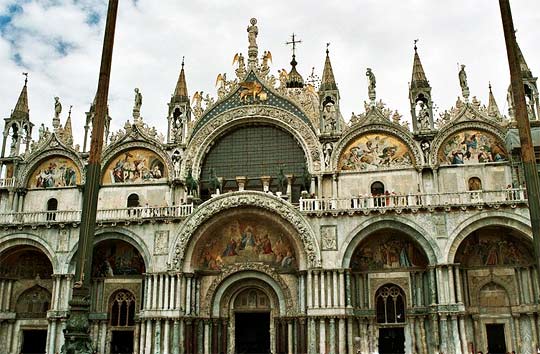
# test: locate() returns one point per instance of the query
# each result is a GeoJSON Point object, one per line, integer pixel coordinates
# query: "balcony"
{"type": "Point", "coordinates": [7, 182]}
{"type": "Point", "coordinates": [414, 202]}
{"type": "Point", "coordinates": [139, 215]}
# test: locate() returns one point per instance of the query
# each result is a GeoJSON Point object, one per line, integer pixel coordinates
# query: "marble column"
{"type": "Point", "coordinates": [347, 290]}
{"type": "Point", "coordinates": [188, 295]}
{"type": "Point", "coordinates": [302, 291]}
{"type": "Point", "coordinates": [456, 339]}
{"type": "Point", "coordinates": [103, 336]}
{"type": "Point", "coordinates": [176, 337]}
{"type": "Point", "coordinates": [148, 341]}
{"type": "Point", "coordinates": [290, 342]}
{"type": "Point", "coordinates": [517, 329]}
{"type": "Point", "coordinates": [342, 344]}
{"type": "Point", "coordinates": [432, 286]}
{"type": "Point", "coordinates": [309, 291]}
{"type": "Point", "coordinates": [350, 336]}
{"type": "Point", "coordinates": [154, 291]}
{"type": "Point", "coordinates": [172, 303]}
{"type": "Point", "coordinates": [423, 335]}
{"type": "Point", "coordinates": [148, 290]}
{"type": "Point", "coordinates": [323, 289]}
{"type": "Point", "coordinates": [458, 284]}
{"type": "Point", "coordinates": [341, 299]}
{"type": "Point", "coordinates": [316, 289]}
{"type": "Point", "coordinates": [463, 334]}
{"type": "Point", "coordinates": [142, 337]}
{"type": "Point", "coordinates": [161, 292]}
{"type": "Point", "coordinates": [157, 337]}
{"type": "Point", "coordinates": [136, 336]}
{"type": "Point", "coordinates": [52, 336]}
{"type": "Point", "coordinates": [336, 301]}
{"type": "Point", "coordinates": [312, 347]}
{"type": "Point", "coordinates": [332, 337]}
{"type": "Point", "coordinates": [451, 286]}
{"type": "Point", "coordinates": [166, 335]}
{"type": "Point", "coordinates": [206, 337]}
{"type": "Point", "coordinates": [181, 338]}
{"type": "Point", "coordinates": [166, 294]}
{"type": "Point", "coordinates": [322, 336]}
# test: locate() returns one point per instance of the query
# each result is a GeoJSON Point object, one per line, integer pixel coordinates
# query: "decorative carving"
{"type": "Point", "coordinates": [244, 199]}
{"type": "Point", "coordinates": [161, 242]}
{"type": "Point", "coordinates": [242, 267]}
{"type": "Point", "coordinates": [329, 237]}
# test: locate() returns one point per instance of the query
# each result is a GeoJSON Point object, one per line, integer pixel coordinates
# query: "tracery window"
{"type": "Point", "coordinates": [122, 309]}
{"type": "Point", "coordinates": [390, 302]}
{"type": "Point", "coordinates": [252, 299]}
{"type": "Point", "coordinates": [34, 303]}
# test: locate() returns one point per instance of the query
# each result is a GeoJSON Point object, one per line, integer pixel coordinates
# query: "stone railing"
{"type": "Point", "coordinates": [103, 215]}
{"type": "Point", "coordinates": [7, 182]}
{"type": "Point", "coordinates": [416, 201]}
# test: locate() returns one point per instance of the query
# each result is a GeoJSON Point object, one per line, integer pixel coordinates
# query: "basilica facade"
{"type": "Point", "coordinates": [262, 221]}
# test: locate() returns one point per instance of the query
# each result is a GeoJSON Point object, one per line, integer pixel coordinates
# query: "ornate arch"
{"type": "Point", "coordinates": [460, 126]}
{"type": "Point", "coordinates": [34, 162]}
{"type": "Point", "coordinates": [506, 285]}
{"type": "Point", "coordinates": [241, 272]}
{"type": "Point", "coordinates": [116, 233]}
{"type": "Point", "coordinates": [365, 229]}
{"type": "Point", "coordinates": [14, 240]}
{"type": "Point", "coordinates": [494, 218]}
{"type": "Point", "coordinates": [204, 137]}
{"type": "Point", "coordinates": [245, 199]}
{"type": "Point", "coordinates": [116, 149]}
{"type": "Point", "coordinates": [395, 130]}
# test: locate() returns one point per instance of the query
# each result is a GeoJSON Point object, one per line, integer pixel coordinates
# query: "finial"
{"type": "Point", "coordinates": [490, 87]}
{"type": "Point", "coordinates": [182, 61]}
{"type": "Point", "coordinates": [327, 45]}
{"type": "Point", "coordinates": [69, 113]}
{"type": "Point", "coordinates": [293, 42]}
{"type": "Point", "coordinates": [415, 41]}
{"type": "Point", "coordinates": [25, 78]}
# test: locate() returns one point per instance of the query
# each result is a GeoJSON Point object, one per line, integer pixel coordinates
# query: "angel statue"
{"type": "Point", "coordinates": [196, 102]}
{"type": "Point", "coordinates": [241, 70]}
{"type": "Point", "coordinates": [267, 56]}
{"type": "Point", "coordinates": [221, 84]}
{"type": "Point", "coordinates": [283, 77]}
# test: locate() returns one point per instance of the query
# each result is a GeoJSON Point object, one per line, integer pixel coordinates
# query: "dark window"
{"type": "Point", "coordinates": [133, 201]}
{"type": "Point", "coordinates": [377, 188]}
{"type": "Point", "coordinates": [475, 184]}
{"type": "Point", "coordinates": [122, 309]}
{"type": "Point", "coordinates": [52, 205]}
{"type": "Point", "coordinates": [390, 303]}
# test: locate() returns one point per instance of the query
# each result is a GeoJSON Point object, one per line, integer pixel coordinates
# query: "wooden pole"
{"type": "Point", "coordinates": [520, 108]}
{"type": "Point", "coordinates": [77, 332]}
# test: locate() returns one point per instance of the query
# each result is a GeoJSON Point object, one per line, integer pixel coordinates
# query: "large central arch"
{"type": "Point", "coordinates": [249, 199]}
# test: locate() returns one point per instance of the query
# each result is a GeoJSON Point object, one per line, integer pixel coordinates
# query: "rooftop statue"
{"type": "Point", "coordinates": [372, 84]}
{"type": "Point", "coordinates": [253, 31]}
{"type": "Point", "coordinates": [57, 107]}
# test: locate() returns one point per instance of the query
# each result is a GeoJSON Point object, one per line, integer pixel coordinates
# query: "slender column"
{"type": "Point", "coordinates": [10, 328]}
{"type": "Point", "coordinates": [142, 337]}
{"type": "Point", "coordinates": [444, 334]}
{"type": "Point", "coordinates": [157, 337]}
{"type": "Point", "coordinates": [166, 336]}
{"type": "Point", "coordinates": [181, 338]}
{"type": "Point", "coordinates": [423, 335]}
{"type": "Point", "coordinates": [533, 329]}
{"type": "Point", "coordinates": [188, 295]}
{"type": "Point", "coordinates": [454, 337]}
{"type": "Point", "coordinates": [336, 301]}
{"type": "Point", "coordinates": [322, 336]}
{"type": "Point", "coordinates": [458, 285]}
{"type": "Point", "coordinates": [103, 336]}
{"type": "Point", "coordinates": [56, 291]}
{"type": "Point", "coordinates": [290, 342]}
{"type": "Point", "coordinates": [197, 296]}
{"type": "Point", "coordinates": [2, 295]}
{"type": "Point", "coordinates": [412, 335]}
{"type": "Point", "coordinates": [302, 292]}
{"type": "Point", "coordinates": [347, 289]}
{"type": "Point", "coordinates": [312, 336]}
{"type": "Point", "coordinates": [215, 336]}
{"type": "Point", "coordinates": [332, 337]}
{"type": "Point", "coordinates": [518, 332]}
{"type": "Point", "coordinates": [463, 334]}
{"type": "Point", "coordinates": [161, 292]}
{"type": "Point", "coordinates": [316, 289]}
{"type": "Point", "coordinates": [167, 293]}
{"type": "Point", "coordinates": [342, 344]}
{"type": "Point", "coordinates": [350, 337]}
{"type": "Point", "coordinates": [181, 294]}
{"type": "Point", "coordinates": [52, 336]}
{"type": "Point", "coordinates": [224, 335]}
{"type": "Point", "coordinates": [432, 286]}
{"type": "Point", "coordinates": [323, 289]}
{"type": "Point", "coordinates": [148, 342]}
{"type": "Point", "coordinates": [342, 300]}
{"type": "Point", "coordinates": [148, 285]}
{"type": "Point", "coordinates": [136, 337]}
{"type": "Point", "coordinates": [206, 337]}
{"type": "Point", "coordinates": [172, 303]}
{"type": "Point", "coordinates": [189, 337]}
{"type": "Point", "coordinates": [176, 337]}
{"type": "Point", "coordinates": [8, 293]}
{"type": "Point", "coordinates": [451, 286]}
{"type": "Point", "coordinates": [309, 291]}
{"type": "Point", "coordinates": [440, 286]}
{"type": "Point", "coordinates": [154, 291]}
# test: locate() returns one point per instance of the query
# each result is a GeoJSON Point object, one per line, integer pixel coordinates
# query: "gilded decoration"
{"type": "Point", "coordinates": [243, 199]}
{"type": "Point", "coordinates": [56, 171]}
{"type": "Point", "coordinates": [493, 249]}
{"type": "Point", "coordinates": [114, 257]}
{"type": "Point", "coordinates": [135, 166]}
{"type": "Point", "coordinates": [245, 239]}
{"type": "Point", "coordinates": [374, 151]}
{"type": "Point", "coordinates": [26, 264]}
{"type": "Point", "coordinates": [388, 250]}
{"type": "Point", "coordinates": [471, 147]}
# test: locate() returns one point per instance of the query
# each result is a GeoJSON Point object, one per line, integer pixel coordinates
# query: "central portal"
{"type": "Point", "coordinates": [252, 333]}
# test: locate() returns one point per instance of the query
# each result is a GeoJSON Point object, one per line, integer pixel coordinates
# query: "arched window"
{"type": "Point", "coordinates": [390, 304]}
{"type": "Point", "coordinates": [34, 303]}
{"type": "Point", "coordinates": [52, 206]}
{"type": "Point", "coordinates": [133, 201]}
{"type": "Point", "coordinates": [377, 188]}
{"type": "Point", "coordinates": [252, 299]}
{"type": "Point", "coordinates": [122, 309]}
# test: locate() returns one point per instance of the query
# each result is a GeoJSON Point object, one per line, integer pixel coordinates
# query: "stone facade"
{"type": "Point", "coordinates": [378, 240]}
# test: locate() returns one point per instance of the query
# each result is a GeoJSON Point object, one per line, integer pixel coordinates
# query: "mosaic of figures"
{"type": "Point", "coordinates": [135, 166]}
{"type": "Point", "coordinates": [245, 240]}
{"type": "Point", "coordinates": [55, 172]}
{"type": "Point", "coordinates": [26, 264]}
{"type": "Point", "coordinates": [387, 250]}
{"type": "Point", "coordinates": [373, 151]}
{"type": "Point", "coordinates": [491, 248]}
{"type": "Point", "coordinates": [471, 146]}
{"type": "Point", "coordinates": [113, 257]}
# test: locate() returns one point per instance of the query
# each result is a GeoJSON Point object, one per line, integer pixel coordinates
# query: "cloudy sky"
{"type": "Point", "coordinates": [59, 43]}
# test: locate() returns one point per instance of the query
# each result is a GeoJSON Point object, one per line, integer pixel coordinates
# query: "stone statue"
{"type": "Point", "coordinates": [214, 185]}
{"type": "Point", "coordinates": [138, 101]}
{"type": "Point", "coordinates": [328, 148]}
{"type": "Point", "coordinates": [423, 117]}
{"type": "Point", "coordinates": [282, 181]}
{"type": "Point", "coordinates": [372, 84]}
{"type": "Point", "coordinates": [330, 119]}
{"type": "Point", "coordinates": [306, 180]}
{"type": "Point", "coordinates": [57, 107]}
{"type": "Point", "coordinates": [191, 184]}
{"type": "Point", "coordinates": [41, 131]}
{"type": "Point", "coordinates": [463, 78]}
{"type": "Point", "coordinates": [253, 31]}
{"type": "Point", "coordinates": [241, 70]}
{"type": "Point", "coordinates": [425, 146]}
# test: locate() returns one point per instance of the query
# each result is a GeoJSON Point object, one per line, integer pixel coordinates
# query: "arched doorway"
{"type": "Point", "coordinates": [26, 280]}
{"type": "Point", "coordinates": [498, 275]}
{"type": "Point", "coordinates": [122, 307]}
{"type": "Point", "coordinates": [252, 321]}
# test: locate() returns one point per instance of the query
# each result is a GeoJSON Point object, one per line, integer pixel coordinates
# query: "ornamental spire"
{"type": "Point", "coordinates": [493, 108]}
{"type": "Point", "coordinates": [21, 110]}
{"type": "Point", "coordinates": [418, 79]}
{"type": "Point", "coordinates": [180, 92]}
{"type": "Point", "coordinates": [328, 81]}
